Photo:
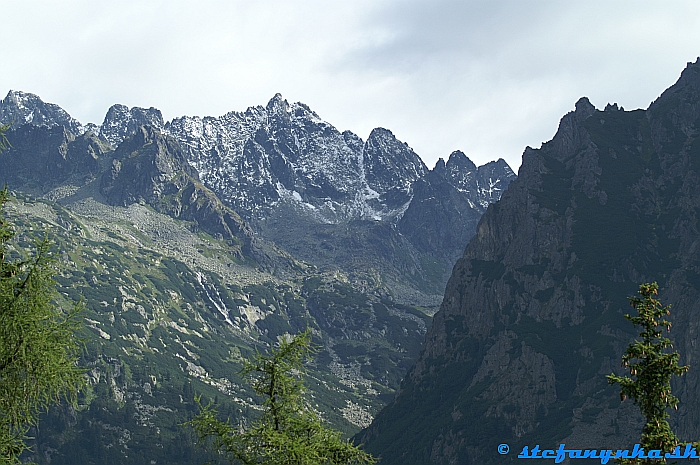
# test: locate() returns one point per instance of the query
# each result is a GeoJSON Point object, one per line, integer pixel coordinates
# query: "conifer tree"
{"type": "Point", "coordinates": [651, 368]}
{"type": "Point", "coordinates": [38, 345]}
{"type": "Point", "coordinates": [288, 433]}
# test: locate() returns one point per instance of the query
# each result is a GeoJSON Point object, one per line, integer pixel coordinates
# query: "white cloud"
{"type": "Point", "coordinates": [486, 77]}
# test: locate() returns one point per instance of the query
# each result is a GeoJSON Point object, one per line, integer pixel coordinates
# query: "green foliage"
{"type": "Point", "coordinates": [38, 346]}
{"type": "Point", "coordinates": [288, 433]}
{"type": "Point", "coordinates": [650, 386]}
{"type": "Point", "coordinates": [138, 317]}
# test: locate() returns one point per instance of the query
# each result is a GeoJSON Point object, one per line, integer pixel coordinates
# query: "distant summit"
{"type": "Point", "coordinates": [23, 108]}
{"type": "Point", "coordinates": [121, 121]}
{"type": "Point", "coordinates": [294, 178]}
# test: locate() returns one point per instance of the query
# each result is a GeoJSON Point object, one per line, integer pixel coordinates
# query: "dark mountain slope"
{"type": "Point", "coordinates": [448, 202]}
{"type": "Point", "coordinates": [531, 321]}
{"type": "Point", "coordinates": [43, 157]}
{"type": "Point", "coordinates": [150, 167]}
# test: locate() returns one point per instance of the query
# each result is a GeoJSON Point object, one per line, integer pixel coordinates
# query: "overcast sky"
{"type": "Point", "coordinates": [485, 77]}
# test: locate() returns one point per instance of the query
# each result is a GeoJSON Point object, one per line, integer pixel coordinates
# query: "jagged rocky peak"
{"type": "Point", "coordinates": [144, 168]}
{"type": "Point", "coordinates": [440, 167]}
{"type": "Point", "coordinates": [277, 106]}
{"type": "Point", "coordinates": [213, 145]}
{"type": "Point", "coordinates": [278, 152]}
{"type": "Point", "coordinates": [390, 163]}
{"type": "Point", "coordinates": [299, 152]}
{"type": "Point", "coordinates": [613, 107]}
{"type": "Point", "coordinates": [492, 180]}
{"type": "Point", "coordinates": [353, 141]}
{"type": "Point", "coordinates": [286, 152]}
{"type": "Point", "coordinates": [20, 108]}
{"type": "Point", "coordinates": [689, 81]}
{"type": "Point", "coordinates": [583, 108]}
{"type": "Point", "coordinates": [483, 185]}
{"type": "Point", "coordinates": [281, 151]}
{"type": "Point", "coordinates": [278, 111]}
{"type": "Point", "coordinates": [284, 123]}
{"type": "Point", "coordinates": [122, 121]}
{"type": "Point", "coordinates": [448, 202]}
{"type": "Point", "coordinates": [498, 166]}
{"type": "Point", "coordinates": [460, 170]}
{"type": "Point", "coordinates": [569, 134]}
{"type": "Point", "coordinates": [683, 96]}
{"type": "Point", "coordinates": [458, 162]}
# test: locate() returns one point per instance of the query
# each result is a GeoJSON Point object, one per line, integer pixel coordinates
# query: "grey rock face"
{"type": "Point", "coordinates": [149, 167]}
{"type": "Point", "coordinates": [298, 180]}
{"type": "Point", "coordinates": [285, 154]}
{"type": "Point", "coordinates": [144, 168]}
{"type": "Point", "coordinates": [391, 167]}
{"type": "Point", "coordinates": [532, 318]}
{"type": "Point", "coordinates": [278, 153]}
{"type": "Point", "coordinates": [42, 157]}
{"type": "Point", "coordinates": [292, 175]}
{"type": "Point", "coordinates": [448, 203]}
{"type": "Point", "coordinates": [281, 155]}
{"type": "Point", "coordinates": [20, 108]}
{"type": "Point", "coordinates": [121, 121]}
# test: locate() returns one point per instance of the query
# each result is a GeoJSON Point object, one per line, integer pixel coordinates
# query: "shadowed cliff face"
{"type": "Point", "coordinates": [448, 203]}
{"type": "Point", "coordinates": [532, 318]}
{"type": "Point", "coordinates": [43, 157]}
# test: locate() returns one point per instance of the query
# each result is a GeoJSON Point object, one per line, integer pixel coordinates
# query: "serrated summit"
{"type": "Point", "coordinates": [293, 177]}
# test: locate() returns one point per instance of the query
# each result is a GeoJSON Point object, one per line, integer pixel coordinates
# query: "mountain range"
{"type": "Point", "coordinates": [199, 240]}
{"type": "Point", "coordinates": [196, 241]}
{"type": "Point", "coordinates": [295, 180]}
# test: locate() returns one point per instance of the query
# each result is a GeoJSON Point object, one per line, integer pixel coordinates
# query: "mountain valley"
{"type": "Point", "coordinates": [193, 248]}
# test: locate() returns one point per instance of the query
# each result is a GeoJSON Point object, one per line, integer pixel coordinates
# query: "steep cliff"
{"type": "Point", "coordinates": [149, 167]}
{"type": "Point", "coordinates": [531, 321]}
{"type": "Point", "coordinates": [43, 157]}
{"type": "Point", "coordinates": [448, 202]}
